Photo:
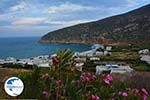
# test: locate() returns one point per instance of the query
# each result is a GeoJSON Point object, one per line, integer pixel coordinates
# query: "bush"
{"type": "Point", "coordinates": [61, 83]}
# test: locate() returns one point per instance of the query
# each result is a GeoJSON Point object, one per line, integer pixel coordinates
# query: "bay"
{"type": "Point", "coordinates": [26, 47]}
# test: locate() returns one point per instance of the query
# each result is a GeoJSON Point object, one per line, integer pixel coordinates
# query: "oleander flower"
{"type": "Point", "coordinates": [58, 82]}
{"type": "Point", "coordinates": [112, 98]}
{"type": "Point", "coordinates": [135, 91]}
{"type": "Point", "coordinates": [45, 76]}
{"type": "Point", "coordinates": [87, 77]}
{"type": "Point", "coordinates": [56, 60]}
{"type": "Point", "coordinates": [94, 97]}
{"type": "Point", "coordinates": [144, 94]}
{"type": "Point", "coordinates": [108, 76]}
{"type": "Point", "coordinates": [45, 94]}
{"type": "Point", "coordinates": [144, 91]}
{"type": "Point", "coordinates": [123, 94]}
{"type": "Point", "coordinates": [107, 79]}
{"type": "Point", "coordinates": [144, 97]}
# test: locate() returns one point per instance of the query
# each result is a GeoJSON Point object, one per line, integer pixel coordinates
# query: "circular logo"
{"type": "Point", "coordinates": [14, 86]}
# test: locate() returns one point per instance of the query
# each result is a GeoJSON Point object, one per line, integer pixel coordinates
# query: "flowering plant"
{"type": "Point", "coordinates": [64, 84]}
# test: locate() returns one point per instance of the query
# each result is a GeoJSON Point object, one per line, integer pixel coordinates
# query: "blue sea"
{"type": "Point", "coordinates": [26, 47]}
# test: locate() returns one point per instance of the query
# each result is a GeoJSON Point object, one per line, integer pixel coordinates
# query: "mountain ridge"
{"type": "Point", "coordinates": [132, 27]}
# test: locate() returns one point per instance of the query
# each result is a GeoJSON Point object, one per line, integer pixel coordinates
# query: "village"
{"type": "Point", "coordinates": [80, 59]}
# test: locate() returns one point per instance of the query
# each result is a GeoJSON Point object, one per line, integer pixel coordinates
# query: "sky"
{"type": "Point", "coordinates": [21, 18]}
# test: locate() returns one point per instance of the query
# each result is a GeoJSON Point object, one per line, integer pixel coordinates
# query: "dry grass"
{"type": "Point", "coordinates": [124, 55]}
{"type": "Point", "coordinates": [137, 79]}
{"type": "Point", "coordinates": [9, 72]}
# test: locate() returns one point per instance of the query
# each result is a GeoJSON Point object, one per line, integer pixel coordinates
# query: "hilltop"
{"type": "Point", "coordinates": [129, 28]}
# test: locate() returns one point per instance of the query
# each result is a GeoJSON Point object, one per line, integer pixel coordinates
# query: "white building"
{"type": "Point", "coordinates": [145, 58]}
{"type": "Point", "coordinates": [2, 61]}
{"type": "Point", "coordinates": [89, 53]}
{"type": "Point", "coordinates": [43, 65]}
{"type": "Point", "coordinates": [40, 61]}
{"type": "Point", "coordinates": [100, 69]}
{"type": "Point", "coordinates": [78, 59]}
{"type": "Point", "coordinates": [99, 53]}
{"type": "Point", "coordinates": [96, 46]}
{"type": "Point", "coordinates": [25, 61]}
{"type": "Point", "coordinates": [79, 66]}
{"type": "Point", "coordinates": [108, 48]}
{"type": "Point", "coordinates": [106, 53]}
{"type": "Point", "coordinates": [113, 69]}
{"type": "Point", "coordinates": [10, 60]}
{"type": "Point", "coordinates": [144, 51]}
{"type": "Point", "coordinates": [94, 58]}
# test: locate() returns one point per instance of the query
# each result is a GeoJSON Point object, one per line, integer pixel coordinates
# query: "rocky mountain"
{"type": "Point", "coordinates": [129, 28]}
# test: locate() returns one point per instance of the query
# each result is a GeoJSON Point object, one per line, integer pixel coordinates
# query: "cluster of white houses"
{"type": "Point", "coordinates": [102, 66]}
{"type": "Point", "coordinates": [40, 61]}
{"type": "Point", "coordinates": [97, 50]}
{"type": "Point", "coordinates": [80, 58]}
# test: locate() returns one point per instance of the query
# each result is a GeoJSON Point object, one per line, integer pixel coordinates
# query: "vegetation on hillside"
{"type": "Point", "coordinates": [129, 28]}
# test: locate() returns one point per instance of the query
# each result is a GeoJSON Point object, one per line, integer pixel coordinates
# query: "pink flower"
{"type": "Point", "coordinates": [58, 82]}
{"type": "Point", "coordinates": [87, 77]}
{"type": "Point", "coordinates": [123, 94]}
{"type": "Point", "coordinates": [56, 60]}
{"type": "Point", "coordinates": [112, 98]}
{"type": "Point", "coordinates": [144, 91]}
{"type": "Point", "coordinates": [135, 91]}
{"type": "Point", "coordinates": [119, 93]}
{"type": "Point", "coordinates": [94, 77]}
{"type": "Point", "coordinates": [106, 81]}
{"type": "Point", "coordinates": [144, 94]}
{"type": "Point", "coordinates": [144, 97]}
{"type": "Point", "coordinates": [45, 94]}
{"type": "Point", "coordinates": [107, 78]}
{"type": "Point", "coordinates": [45, 76]}
{"type": "Point", "coordinates": [94, 97]}
{"type": "Point", "coordinates": [88, 74]}
{"type": "Point", "coordinates": [82, 78]}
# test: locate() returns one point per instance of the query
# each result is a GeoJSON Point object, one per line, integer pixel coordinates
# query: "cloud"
{"type": "Point", "coordinates": [28, 21]}
{"type": "Point", "coordinates": [68, 23]}
{"type": "Point", "coordinates": [43, 22]}
{"type": "Point", "coordinates": [19, 7]}
{"type": "Point", "coordinates": [133, 3]}
{"type": "Point", "coordinates": [3, 17]}
{"type": "Point", "coordinates": [68, 7]}
{"type": "Point", "coordinates": [24, 27]}
{"type": "Point", "coordinates": [6, 17]}
{"type": "Point", "coordinates": [49, 15]}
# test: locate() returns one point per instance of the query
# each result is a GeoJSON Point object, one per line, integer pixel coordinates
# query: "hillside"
{"type": "Point", "coordinates": [129, 28]}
